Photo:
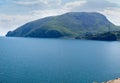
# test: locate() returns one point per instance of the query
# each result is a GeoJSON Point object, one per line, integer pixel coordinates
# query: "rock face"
{"type": "Point", "coordinates": [114, 81]}
{"type": "Point", "coordinates": [70, 25]}
{"type": "Point", "coordinates": [111, 81]}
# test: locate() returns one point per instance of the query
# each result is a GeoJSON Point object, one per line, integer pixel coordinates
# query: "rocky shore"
{"type": "Point", "coordinates": [117, 80]}
{"type": "Point", "coordinates": [114, 81]}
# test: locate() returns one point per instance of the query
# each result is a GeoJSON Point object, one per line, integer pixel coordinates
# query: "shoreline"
{"type": "Point", "coordinates": [117, 80]}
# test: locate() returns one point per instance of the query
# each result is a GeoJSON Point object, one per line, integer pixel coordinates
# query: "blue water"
{"type": "Point", "coordinates": [29, 60]}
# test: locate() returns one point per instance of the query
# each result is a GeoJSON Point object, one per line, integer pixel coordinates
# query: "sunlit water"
{"type": "Point", "coordinates": [29, 60]}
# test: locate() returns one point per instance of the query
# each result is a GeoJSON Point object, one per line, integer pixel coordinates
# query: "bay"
{"type": "Point", "coordinates": [32, 60]}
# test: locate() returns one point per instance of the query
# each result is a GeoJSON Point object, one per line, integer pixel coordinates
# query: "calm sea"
{"type": "Point", "coordinates": [30, 60]}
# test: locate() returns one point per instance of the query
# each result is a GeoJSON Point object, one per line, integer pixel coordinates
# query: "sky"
{"type": "Point", "coordinates": [15, 13]}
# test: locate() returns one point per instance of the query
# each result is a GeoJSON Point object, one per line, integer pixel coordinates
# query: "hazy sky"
{"type": "Point", "coordinates": [14, 13]}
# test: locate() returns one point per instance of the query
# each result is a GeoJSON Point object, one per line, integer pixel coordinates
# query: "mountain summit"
{"type": "Point", "coordinates": [69, 25]}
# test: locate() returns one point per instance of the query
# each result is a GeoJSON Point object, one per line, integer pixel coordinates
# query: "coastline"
{"type": "Point", "coordinates": [117, 80]}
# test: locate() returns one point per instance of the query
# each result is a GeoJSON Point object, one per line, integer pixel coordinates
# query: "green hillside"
{"type": "Point", "coordinates": [71, 25]}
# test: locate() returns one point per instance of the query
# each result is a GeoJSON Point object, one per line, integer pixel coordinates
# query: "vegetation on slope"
{"type": "Point", "coordinates": [71, 25]}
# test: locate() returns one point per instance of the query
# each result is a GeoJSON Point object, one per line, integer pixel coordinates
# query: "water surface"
{"type": "Point", "coordinates": [30, 60]}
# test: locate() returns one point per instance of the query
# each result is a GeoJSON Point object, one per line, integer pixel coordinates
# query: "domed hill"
{"type": "Point", "coordinates": [71, 25]}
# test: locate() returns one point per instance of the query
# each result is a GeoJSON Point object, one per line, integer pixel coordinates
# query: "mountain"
{"type": "Point", "coordinates": [70, 25]}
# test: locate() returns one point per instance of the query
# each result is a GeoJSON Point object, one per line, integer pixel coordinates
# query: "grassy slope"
{"type": "Point", "coordinates": [71, 24]}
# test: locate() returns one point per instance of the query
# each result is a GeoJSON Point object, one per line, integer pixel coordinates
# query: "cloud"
{"type": "Point", "coordinates": [74, 4]}
{"type": "Point", "coordinates": [110, 8]}
{"type": "Point", "coordinates": [11, 22]}
{"type": "Point", "coordinates": [115, 1]}
{"type": "Point", "coordinates": [15, 13]}
{"type": "Point", "coordinates": [99, 5]}
{"type": "Point", "coordinates": [45, 13]}
{"type": "Point", "coordinates": [28, 2]}
{"type": "Point", "coordinates": [40, 3]}
{"type": "Point", "coordinates": [113, 14]}
{"type": "Point", "coordinates": [89, 5]}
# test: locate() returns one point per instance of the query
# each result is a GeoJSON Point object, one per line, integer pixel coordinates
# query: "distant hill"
{"type": "Point", "coordinates": [70, 25]}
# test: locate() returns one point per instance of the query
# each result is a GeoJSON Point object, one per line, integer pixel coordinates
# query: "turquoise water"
{"type": "Point", "coordinates": [28, 60]}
